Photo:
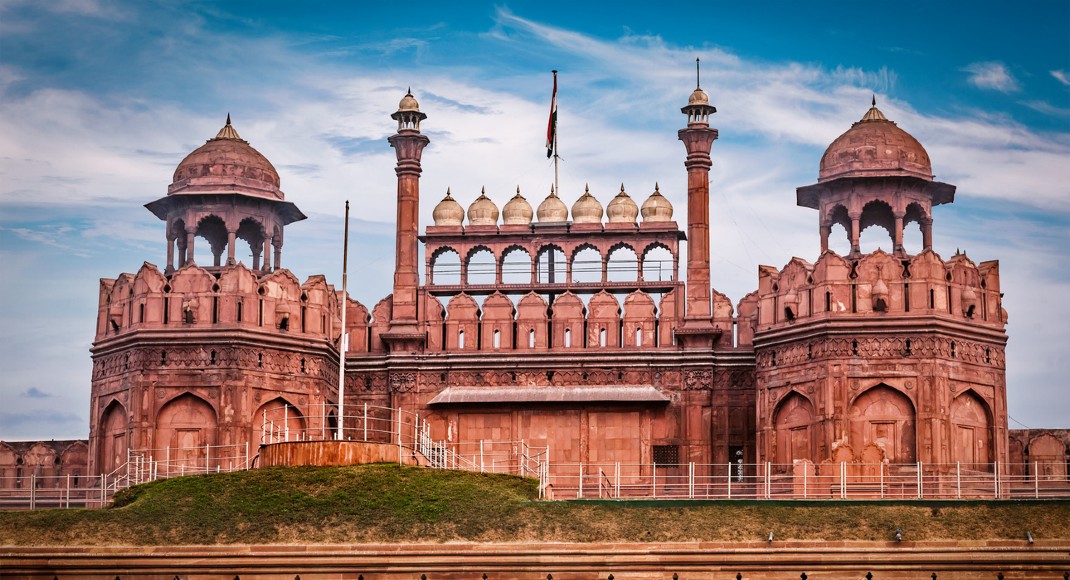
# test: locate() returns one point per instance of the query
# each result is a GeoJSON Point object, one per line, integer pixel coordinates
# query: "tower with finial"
{"type": "Point", "coordinates": [404, 334]}
{"type": "Point", "coordinates": [697, 330]}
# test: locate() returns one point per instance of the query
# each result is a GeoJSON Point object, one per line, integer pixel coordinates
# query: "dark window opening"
{"type": "Point", "coordinates": [828, 301]}
{"type": "Point", "coordinates": [260, 312]}
{"type": "Point", "coordinates": [239, 314]}
{"type": "Point", "coordinates": [953, 351]}
{"type": "Point", "coordinates": [167, 309]}
{"type": "Point", "coordinates": [788, 314]}
{"type": "Point", "coordinates": [969, 311]}
{"type": "Point", "coordinates": [215, 309]}
{"type": "Point", "coordinates": [666, 455]}
{"type": "Point", "coordinates": [211, 357]}
{"type": "Point", "coordinates": [302, 365]}
{"type": "Point", "coordinates": [284, 324]}
{"type": "Point", "coordinates": [187, 316]}
{"type": "Point", "coordinates": [163, 357]}
{"type": "Point", "coordinates": [854, 298]}
{"type": "Point", "coordinates": [908, 351]}
{"type": "Point", "coordinates": [854, 347]}
{"type": "Point", "coordinates": [809, 352]}
{"type": "Point", "coordinates": [141, 312]}
{"type": "Point", "coordinates": [988, 356]}
{"type": "Point", "coordinates": [932, 298]}
{"type": "Point", "coordinates": [906, 297]}
{"type": "Point", "coordinates": [260, 360]}
{"type": "Point", "coordinates": [879, 305]}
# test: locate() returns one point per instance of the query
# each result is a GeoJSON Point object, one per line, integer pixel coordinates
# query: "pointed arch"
{"type": "Point", "coordinates": [113, 438]}
{"type": "Point", "coordinates": [971, 429]}
{"type": "Point", "coordinates": [794, 425]}
{"type": "Point", "coordinates": [885, 417]}
{"type": "Point", "coordinates": [186, 425]}
{"type": "Point", "coordinates": [277, 419]}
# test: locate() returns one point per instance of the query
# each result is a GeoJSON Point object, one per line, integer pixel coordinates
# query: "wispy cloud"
{"type": "Point", "coordinates": [34, 393]}
{"type": "Point", "coordinates": [1047, 108]}
{"type": "Point", "coordinates": [1061, 76]}
{"type": "Point", "coordinates": [992, 76]}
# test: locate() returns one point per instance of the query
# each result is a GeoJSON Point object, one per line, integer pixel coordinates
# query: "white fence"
{"type": "Point", "coordinates": [805, 481]}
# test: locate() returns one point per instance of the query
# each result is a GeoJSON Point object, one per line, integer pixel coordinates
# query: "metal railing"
{"type": "Point", "coordinates": [805, 481]}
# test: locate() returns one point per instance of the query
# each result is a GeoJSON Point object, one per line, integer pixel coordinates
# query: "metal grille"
{"type": "Point", "coordinates": [666, 455]}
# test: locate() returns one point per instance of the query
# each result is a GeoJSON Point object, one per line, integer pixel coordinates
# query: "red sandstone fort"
{"type": "Point", "coordinates": [519, 326]}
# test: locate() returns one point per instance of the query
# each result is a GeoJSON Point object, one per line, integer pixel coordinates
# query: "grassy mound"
{"type": "Point", "coordinates": [389, 503]}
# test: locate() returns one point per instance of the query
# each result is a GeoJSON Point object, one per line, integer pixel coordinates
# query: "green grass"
{"type": "Point", "coordinates": [389, 503]}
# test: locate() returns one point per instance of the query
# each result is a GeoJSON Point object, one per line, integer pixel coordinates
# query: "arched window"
{"type": "Point", "coordinates": [623, 265]}
{"type": "Point", "coordinates": [446, 268]}
{"type": "Point", "coordinates": [568, 338]}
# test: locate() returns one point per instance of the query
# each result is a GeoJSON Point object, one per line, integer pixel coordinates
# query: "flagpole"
{"type": "Point", "coordinates": [557, 183]}
{"type": "Point", "coordinates": [343, 344]}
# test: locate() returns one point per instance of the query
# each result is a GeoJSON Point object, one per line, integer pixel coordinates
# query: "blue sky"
{"type": "Point", "coordinates": [100, 100]}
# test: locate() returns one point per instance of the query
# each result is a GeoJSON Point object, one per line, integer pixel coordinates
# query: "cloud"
{"type": "Point", "coordinates": [1047, 108]}
{"type": "Point", "coordinates": [992, 76]}
{"type": "Point", "coordinates": [34, 393]}
{"type": "Point", "coordinates": [1061, 76]}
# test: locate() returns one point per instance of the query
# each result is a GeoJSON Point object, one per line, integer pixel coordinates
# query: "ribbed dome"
{"type": "Point", "coordinates": [408, 103]}
{"type": "Point", "coordinates": [517, 211]}
{"type": "Point", "coordinates": [448, 212]}
{"type": "Point", "coordinates": [699, 97]}
{"type": "Point", "coordinates": [622, 209]}
{"type": "Point", "coordinates": [586, 210]}
{"type": "Point", "coordinates": [657, 208]}
{"type": "Point", "coordinates": [552, 209]}
{"type": "Point", "coordinates": [227, 160]}
{"type": "Point", "coordinates": [483, 212]}
{"type": "Point", "coordinates": [875, 147]}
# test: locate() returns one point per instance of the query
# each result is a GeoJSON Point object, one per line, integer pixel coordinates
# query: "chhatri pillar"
{"type": "Point", "coordinates": [697, 330]}
{"type": "Point", "coordinates": [404, 333]}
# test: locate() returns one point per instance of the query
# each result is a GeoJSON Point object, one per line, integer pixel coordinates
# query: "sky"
{"type": "Point", "coordinates": [100, 100]}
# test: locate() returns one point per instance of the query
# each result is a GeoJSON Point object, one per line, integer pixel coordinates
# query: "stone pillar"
{"type": "Point", "coordinates": [855, 234]}
{"type": "Point", "coordinates": [232, 236]}
{"type": "Point", "coordinates": [191, 235]}
{"type": "Point", "coordinates": [277, 262]}
{"type": "Point", "coordinates": [926, 233]}
{"type": "Point", "coordinates": [170, 255]}
{"type": "Point", "coordinates": [267, 255]}
{"type": "Point", "coordinates": [824, 231]}
{"type": "Point", "coordinates": [897, 242]}
{"type": "Point", "coordinates": [404, 333]}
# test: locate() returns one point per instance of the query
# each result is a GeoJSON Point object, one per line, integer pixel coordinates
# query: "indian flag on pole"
{"type": "Point", "coordinates": [551, 127]}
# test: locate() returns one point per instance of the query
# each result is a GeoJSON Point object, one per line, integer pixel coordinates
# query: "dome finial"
{"type": "Point", "coordinates": [518, 190]}
{"type": "Point", "coordinates": [622, 187]}
{"type": "Point", "coordinates": [228, 132]}
{"type": "Point", "coordinates": [552, 193]}
{"type": "Point", "coordinates": [448, 191]}
{"type": "Point", "coordinates": [656, 187]}
{"type": "Point", "coordinates": [874, 99]}
{"type": "Point", "coordinates": [483, 191]}
{"type": "Point", "coordinates": [698, 83]}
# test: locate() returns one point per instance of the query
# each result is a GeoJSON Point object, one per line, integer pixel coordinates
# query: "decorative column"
{"type": "Point", "coordinates": [170, 255]}
{"type": "Point", "coordinates": [824, 231]}
{"type": "Point", "coordinates": [856, 232]}
{"type": "Point", "coordinates": [897, 242]}
{"type": "Point", "coordinates": [926, 233]}
{"type": "Point", "coordinates": [232, 236]}
{"type": "Point", "coordinates": [267, 255]}
{"type": "Point", "coordinates": [697, 330]}
{"type": "Point", "coordinates": [191, 235]}
{"type": "Point", "coordinates": [405, 334]}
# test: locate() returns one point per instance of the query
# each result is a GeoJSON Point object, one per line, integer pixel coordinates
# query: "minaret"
{"type": "Point", "coordinates": [404, 334]}
{"type": "Point", "coordinates": [697, 330]}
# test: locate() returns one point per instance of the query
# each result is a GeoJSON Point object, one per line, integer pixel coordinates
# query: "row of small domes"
{"type": "Point", "coordinates": [517, 211]}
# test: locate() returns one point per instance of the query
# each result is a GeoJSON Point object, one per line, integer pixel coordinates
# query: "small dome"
{"type": "Point", "coordinates": [622, 209]}
{"type": "Point", "coordinates": [408, 102]}
{"type": "Point", "coordinates": [586, 210]}
{"type": "Point", "coordinates": [483, 212]}
{"type": "Point", "coordinates": [656, 208]}
{"type": "Point", "coordinates": [875, 146]}
{"type": "Point", "coordinates": [448, 212]}
{"type": "Point", "coordinates": [517, 211]}
{"type": "Point", "coordinates": [227, 160]}
{"type": "Point", "coordinates": [552, 209]}
{"type": "Point", "coordinates": [699, 97]}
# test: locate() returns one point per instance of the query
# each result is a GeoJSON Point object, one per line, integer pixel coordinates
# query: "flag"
{"type": "Point", "coordinates": [551, 126]}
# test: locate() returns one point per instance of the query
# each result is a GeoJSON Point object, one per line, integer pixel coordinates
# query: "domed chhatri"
{"type": "Point", "coordinates": [586, 210]}
{"type": "Point", "coordinates": [408, 102]}
{"type": "Point", "coordinates": [622, 209]}
{"type": "Point", "coordinates": [448, 212]}
{"type": "Point", "coordinates": [698, 97]}
{"type": "Point", "coordinates": [226, 160]}
{"type": "Point", "coordinates": [874, 147]}
{"type": "Point", "coordinates": [552, 209]}
{"type": "Point", "coordinates": [657, 208]}
{"type": "Point", "coordinates": [483, 212]}
{"type": "Point", "coordinates": [517, 211]}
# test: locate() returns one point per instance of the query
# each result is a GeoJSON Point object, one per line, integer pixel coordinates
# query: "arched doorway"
{"type": "Point", "coordinates": [884, 417]}
{"type": "Point", "coordinates": [971, 434]}
{"type": "Point", "coordinates": [112, 446]}
{"type": "Point", "coordinates": [185, 433]}
{"type": "Point", "coordinates": [794, 427]}
{"type": "Point", "coordinates": [277, 420]}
